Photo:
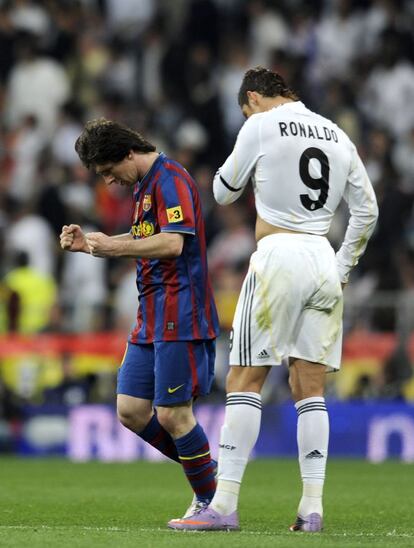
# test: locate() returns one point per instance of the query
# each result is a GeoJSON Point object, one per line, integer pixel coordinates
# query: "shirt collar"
{"type": "Point", "coordinates": [150, 172]}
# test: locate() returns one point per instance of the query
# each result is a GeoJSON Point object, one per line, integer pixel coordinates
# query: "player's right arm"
{"type": "Point", "coordinates": [72, 238]}
{"type": "Point", "coordinates": [232, 177]}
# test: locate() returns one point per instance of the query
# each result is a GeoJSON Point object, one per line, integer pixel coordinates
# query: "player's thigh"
{"type": "Point", "coordinates": [319, 332]}
{"type": "Point", "coordinates": [136, 373]}
{"type": "Point", "coordinates": [183, 370]}
{"type": "Point", "coordinates": [270, 302]}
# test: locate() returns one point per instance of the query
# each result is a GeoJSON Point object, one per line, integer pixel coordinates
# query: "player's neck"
{"type": "Point", "coordinates": [145, 163]}
{"type": "Point", "coordinates": [267, 103]}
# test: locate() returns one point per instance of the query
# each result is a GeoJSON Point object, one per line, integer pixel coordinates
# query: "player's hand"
{"type": "Point", "coordinates": [101, 245]}
{"type": "Point", "coordinates": [73, 239]}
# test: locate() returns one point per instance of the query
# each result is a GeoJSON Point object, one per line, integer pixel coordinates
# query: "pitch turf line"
{"type": "Point", "coordinates": [393, 534]}
{"type": "Point", "coordinates": [55, 503]}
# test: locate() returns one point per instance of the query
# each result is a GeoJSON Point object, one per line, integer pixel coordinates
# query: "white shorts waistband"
{"type": "Point", "coordinates": [273, 239]}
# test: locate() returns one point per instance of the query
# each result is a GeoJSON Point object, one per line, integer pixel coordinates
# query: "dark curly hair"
{"type": "Point", "coordinates": [104, 141]}
{"type": "Point", "coordinates": [266, 82]}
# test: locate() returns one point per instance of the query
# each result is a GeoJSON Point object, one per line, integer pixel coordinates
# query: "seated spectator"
{"type": "Point", "coordinates": [72, 390]}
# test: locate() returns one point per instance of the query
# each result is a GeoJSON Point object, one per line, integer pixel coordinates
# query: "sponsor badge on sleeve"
{"type": "Point", "coordinates": [175, 214]}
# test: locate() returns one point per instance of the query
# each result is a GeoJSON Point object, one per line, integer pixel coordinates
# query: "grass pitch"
{"type": "Point", "coordinates": [55, 503]}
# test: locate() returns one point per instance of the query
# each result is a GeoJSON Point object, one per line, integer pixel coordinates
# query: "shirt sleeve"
{"type": "Point", "coordinates": [232, 177]}
{"type": "Point", "coordinates": [175, 205]}
{"type": "Point", "coordinates": [363, 208]}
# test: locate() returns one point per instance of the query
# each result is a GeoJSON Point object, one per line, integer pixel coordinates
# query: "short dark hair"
{"type": "Point", "coordinates": [104, 141]}
{"type": "Point", "coordinates": [266, 82]}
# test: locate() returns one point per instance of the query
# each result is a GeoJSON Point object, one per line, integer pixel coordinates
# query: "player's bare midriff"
{"type": "Point", "coordinates": [265, 229]}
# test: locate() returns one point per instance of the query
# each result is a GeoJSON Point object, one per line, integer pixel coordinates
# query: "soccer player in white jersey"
{"type": "Point", "coordinates": [290, 306]}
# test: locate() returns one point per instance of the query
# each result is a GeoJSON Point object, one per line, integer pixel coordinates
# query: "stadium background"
{"type": "Point", "coordinates": [171, 69]}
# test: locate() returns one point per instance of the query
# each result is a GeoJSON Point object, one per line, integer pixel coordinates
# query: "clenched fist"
{"type": "Point", "coordinates": [101, 245]}
{"type": "Point", "coordinates": [73, 239]}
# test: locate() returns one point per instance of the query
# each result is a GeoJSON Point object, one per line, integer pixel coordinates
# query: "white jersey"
{"type": "Point", "coordinates": [301, 165]}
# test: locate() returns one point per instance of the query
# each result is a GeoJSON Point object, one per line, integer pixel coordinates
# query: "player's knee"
{"type": "Point", "coordinates": [177, 421]}
{"type": "Point", "coordinates": [240, 379]}
{"type": "Point", "coordinates": [132, 418]}
{"type": "Point", "coordinates": [301, 391]}
{"type": "Point", "coordinates": [167, 417]}
{"type": "Point", "coordinates": [171, 418]}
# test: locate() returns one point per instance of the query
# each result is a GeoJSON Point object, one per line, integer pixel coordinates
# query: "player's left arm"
{"type": "Point", "coordinates": [174, 199]}
{"type": "Point", "coordinates": [233, 176]}
{"type": "Point", "coordinates": [158, 246]}
{"type": "Point", "coordinates": [175, 212]}
{"type": "Point", "coordinates": [363, 208]}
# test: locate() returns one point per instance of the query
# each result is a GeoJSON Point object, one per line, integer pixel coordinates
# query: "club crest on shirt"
{"type": "Point", "coordinates": [146, 203]}
{"type": "Point", "coordinates": [175, 214]}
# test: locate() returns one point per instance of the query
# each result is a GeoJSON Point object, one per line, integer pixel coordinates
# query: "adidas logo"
{"type": "Point", "coordinates": [263, 354]}
{"type": "Point", "coordinates": [315, 454]}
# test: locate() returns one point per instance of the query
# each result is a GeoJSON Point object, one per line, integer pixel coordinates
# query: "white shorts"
{"type": "Point", "coordinates": [290, 304]}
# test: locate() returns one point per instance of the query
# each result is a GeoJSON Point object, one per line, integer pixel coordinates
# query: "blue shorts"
{"type": "Point", "coordinates": [168, 373]}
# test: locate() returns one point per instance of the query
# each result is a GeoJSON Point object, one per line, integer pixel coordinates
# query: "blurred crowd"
{"type": "Point", "coordinates": [171, 70]}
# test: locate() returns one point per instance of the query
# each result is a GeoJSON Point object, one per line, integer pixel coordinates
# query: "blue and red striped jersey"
{"type": "Point", "coordinates": [176, 302]}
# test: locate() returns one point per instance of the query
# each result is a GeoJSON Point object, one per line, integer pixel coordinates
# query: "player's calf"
{"type": "Point", "coordinates": [137, 415]}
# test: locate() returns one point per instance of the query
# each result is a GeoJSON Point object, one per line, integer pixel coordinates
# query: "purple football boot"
{"type": "Point", "coordinates": [312, 523]}
{"type": "Point", "coordinates": [207, 519]}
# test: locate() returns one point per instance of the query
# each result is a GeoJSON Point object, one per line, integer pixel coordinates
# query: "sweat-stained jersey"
{"type": "Point", "coordinates": [301, 165]}
{"type": "Point", "coordinates": [175, 298]}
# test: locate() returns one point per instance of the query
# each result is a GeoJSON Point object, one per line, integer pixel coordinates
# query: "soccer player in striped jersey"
{"type": "Point", "coordinates": [290, 305]}
{"type": "Point", "coordinates": [170, 352]}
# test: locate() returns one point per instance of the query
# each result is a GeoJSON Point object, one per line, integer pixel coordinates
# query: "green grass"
{"type": "Point", "coordinates": [54, 503]}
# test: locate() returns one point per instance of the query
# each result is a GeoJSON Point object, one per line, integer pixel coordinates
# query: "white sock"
{"type": "Point", "coordinates": [239, 434]}
{"type": "Point", "coordinates": [313, 438]}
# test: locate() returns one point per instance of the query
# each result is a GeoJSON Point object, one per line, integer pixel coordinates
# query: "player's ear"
{"type": "Point", "coordinates": [253, 98]}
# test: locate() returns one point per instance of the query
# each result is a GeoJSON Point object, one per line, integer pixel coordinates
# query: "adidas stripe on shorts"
{"type": "Point", "coordinates": [290, 304]}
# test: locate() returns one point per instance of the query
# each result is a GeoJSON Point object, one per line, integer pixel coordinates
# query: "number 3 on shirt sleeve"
{"type": "Point", "coordinates": [321, 183]}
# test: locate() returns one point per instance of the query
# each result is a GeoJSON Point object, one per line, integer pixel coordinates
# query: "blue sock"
{"type": "Point", "coordinates": [159, 438]}
{"type": "Point", "coordinates": [194, 453]}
